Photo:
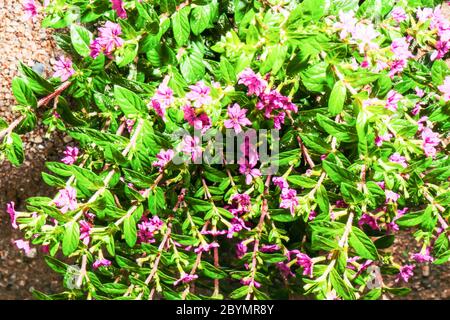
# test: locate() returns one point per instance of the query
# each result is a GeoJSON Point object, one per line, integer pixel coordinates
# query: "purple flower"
{"type": "Point", "coordinates": [67, 199]}
{"type": "Point", "coordinates": [419, 92]}
{"type": "Point", "coordinates": [380, 139]}
{"type": "Point", "coordinates": [268, 248]}
{"type": "Point", "coordinates": [117, 5]}
{"type": "Point", "coordinates": [274, 101]}
{"type": "Point", "coordinates": [430, 140]}
{"type": "Point", "coordinates": [392, 100]}
{"type": "Point", "coordinates": [12, 214]}
{"type": "Point", "coordinates": [237, 224]}
{"type": "Point", "coordinates": [254, 83]}
{"type": "Point", "coordinates": [406, 272]}
{"type": "Point", "coordinates": [391, 196]}
{"type": "Point", "coordinates": [147, 228]}
{"type": "Point", "coordinates": [398, 14]}
{"type": "Point", "coordinates": [312, 215]}
{"type": "Point", "coordinates": [241, 249]}
{"type": "Point", "coordinates": [85, 231]}
{"type": "Point", "coordinates": [191, 147]}
{"type": "Point", "coordinates": [185, 278]}
{"type": "Point", "coordinates": [205, 247]}
{"type": "Point", "coordinates": [284, 269]}
{"type": "Point", "coordinates": [199, 95]}
{"type": "Point", "coordinates": [63, 68]}
{"type": "Point", "coordinates": [278, 120]}
{"type": "Point", "coordinates": [381, 184]}
{"type": "Point", "coordinates": [397, 158]}
{"type": "Point", "coordinates": [71, 155]}
{"type": "Point", "coordinates": [400, 48]}
{"type": "Point", "coordinates": [304, 261]}
{"type": "Point", "coordinates": [240, 204]}
{"type": "Point", "coordinates": [24, 245]}
{"type": "Point", "coordinates": [289, 200]}
{"type": "Point", "coordinates": [368, 220]}
{"type": "Point", "coordinates": [280, 182]}
{"type": "Point", "coordinates": [424, 14]}
{"type": "Point", "coordinates": [199, 122]}
{"type": "Point", "coordinates": [30, 8]}
{"type": "Point", "coordinates": [247, 169]}
{"type": "Point", "coordinates": [101, 263]}
{"type": "Point", "coordinates": [423, 256]}
{"type": "Point", "coordinates": [130, 124]}
{"type": "Point", "coordinates": [340, 204]}
{"type": "Point", "coordinates": [164, 157]}
{"type": "Point", "coordinates": [442, 47]}
{"type": "Point", "coordinates": [250, 282]}
{"type": "Point", "coordinates": [445, 89]}
{"type": "Point", "coordinates": [237, 118]}
{"type": "Point", "coordinates": [365, 35]}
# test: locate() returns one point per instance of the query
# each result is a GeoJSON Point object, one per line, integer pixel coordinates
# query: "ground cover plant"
{"type": "Point", "coordinates": [340, 110]}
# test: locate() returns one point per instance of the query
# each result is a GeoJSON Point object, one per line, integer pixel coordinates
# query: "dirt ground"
{"type": "Point", "coordinates": [27, 42]}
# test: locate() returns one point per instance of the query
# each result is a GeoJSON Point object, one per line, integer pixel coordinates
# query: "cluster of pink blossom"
{"type": "Point", "coordinates": [117, 5]}
{"type": "Point", "coordinates": [164, 157]}
{"type": "Point", "coordinates": [205, 247]}
{"type": "Point", "coordinates": [240, 205]}
{"type": "Point", "coordinates": [10, 209]}
{"type": "Point", "coordinates": [236, 118]}
{"type": "Point", "coordinates": [162, 99]}
{"type": "Point", "coordinates": [272, 102]}
{"type": "Point", "coordinates": [191, 146]}
{"type": "Point", "coordinates": [71, 155]}
{"type": "Point", "coordinates": [249, 159]}
{"type": "Point", "coordinates": [101, 263]}
{"type": "Point", "coordinates": [397, 158]}
{"type": "Point", "coordinates": [30, 8]}
{"type": "Point", "coordinates": [405, 273]}
{"type": "Point", "coordinates": [439, 24]}
{"type": "Point", "coordinates": [85, 232]}
{"type": "Point", "coordinates": [63, 68]}
{"type": "Point", "coordinates": [430, 139]}
{"type": "Point", "coordinates": [185, 278]}
{"type": "Point", "coordinates": [147, 228]}
{"type": "Point", "coordinates": [423, 256]}
{"type": "Point", "coordinates": [288, 196]}
{"type": "Point", "coordinates": [400, 50]}
{"type": "Point", "coordinates": [66, 199]}
{"type": "Point", "coordinates": [108, 40]}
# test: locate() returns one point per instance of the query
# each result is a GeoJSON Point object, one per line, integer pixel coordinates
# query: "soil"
{"type": "Point", "coordinates": [26, 41]}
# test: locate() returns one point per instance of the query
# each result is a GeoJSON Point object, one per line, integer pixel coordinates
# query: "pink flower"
{"type": "Point", "coordinates": [63, 68]}
{"type": "Point", "coordinates": [365, 35]}
{"type": "Point", "coordinates": [391, 196]}
{"type": "Point", "coordinates": [24, 245]}
{"type": "Point", "coordinates": [117, 5]}
{"type": "Point", "coordinates": [191, 146]}
{"type": "Point", "coordinates": [237, 118]}
{"type": "Point", "coordinates": [237, 224]}
{"type": "Point", "coordinates": [185, 278]}
{"type": "Point", "coordinates": [400, 48]}
{"type": "Point", "coordinates": [445, 89]}
{"type": "Point", "coordinates": [247, 169]}
{"type": "Point", "coordinates": [67, 199]}
{"type": "Point", "coordinates": [206, 247]}
{"type": "Point", "coordinates": [368, 220]}
{"type": "Point", "coordinates": [406, 272]}
{"type": "Point", "coordinates": [199, 122]}
{"type": "Point", "coordinates": [164, 157]}
{"type": "Point", "coordinates": [393, 98]}
{"type": "Point", "coordinates": [254, 83]}
{"type": "Point", "coordinates": [241, 249]}
{"type": "Point", "coordinates": [85, 231]}
{"type": "Point", "coordinates": [285, 270]}
{"type": "Point", "coordinates": [380, 139]}
{"type": "Point", "coordinates": [381, 184]}
{"type": "Point", "coordinates": [240, 204]}
{"type": "Point", "coordinates": [12, 214]}
{"type": "Point", "coordinates": [424, 14]}
{"type": "Point", "coordinates": [289, 200]}
{"type": "Point", "coordinates": [423, 256]}
{"type": "Point", "coordinates": [346, 24]}
{"type": "Point", "coordinates": [303, 260]}
{"type": "Point", "coordinates": [430, 140]}
{"type": "Point", "coordinates": [398, 14]}
{"type": "Point", "coordinates": [147, 228]}
{"type": "Point", "coordinates": [442, 47]}
{"type": "Point", "coordinates": [397, 66]}
{"type": "Point", "coordinates": [250, 282]}
{"type": "Point", "coordinates": [278, 120]}
{"type": "Point", "coordinates": [268, 248]}
{"type": "Point", "coordinates": [199, 95]}
{"type": "Point", "coordinates": [162, 99]}
{"type": "Point", "coordinates": [280, 182]}
{"type": "Point", "coordinates": [130, 124]}
{"type": "Point", "coordinates": [397, 158]}
{"type": "Point", "coordinates": [274, 101]}
{"type": "Point", "coordinates": [312, 215]}
{"type": "Point", "coordinates": [71, 155]}
{"type": "Point", "coordinates": [108, 40]}
{"type": "Point", "coordinates": [101, 263]}
{"type": "Point", "coordinates": [419, 92]}
{"type": "Point", "coordinates": [30, 8]}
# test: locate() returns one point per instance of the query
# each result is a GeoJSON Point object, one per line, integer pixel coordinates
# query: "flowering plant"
{"type": "Point", "coordinates": [342, 111]}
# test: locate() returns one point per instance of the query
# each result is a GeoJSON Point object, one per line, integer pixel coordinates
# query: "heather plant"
{"type": "Point", "coordinates": [340, 110]}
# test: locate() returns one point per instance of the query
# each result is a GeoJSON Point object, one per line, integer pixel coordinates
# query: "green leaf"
{"type": "Point", "coordinates": [411, 219]}
{"type": "Point", "coordinates": [192, 67]}
{"type": "Point", "coordinates": [38, 84]}
{"type": "Point", "coordinates": [227, 71]}
{"type": "Point", "coordinates": [342, 289]}
{"type": "Point", "coordinates": [239, 292]}
{"type": "Point", "coordinates": [14, 149]}
{"type": "Point", "coordinates": [362, 244]}
{"type": "Point", "coordinates": [340, 131]}
{"type": "Point", "coordinates": [128, 101]}
{"type": "Point", "coordinates": [200, 19]}
{"type": "Point", "coordinates": [338, 174]}
{"type": "Point", "coordinates": [322, 199]}
{"type": "Point", "coordinates": [439, 71]}
{"type": "Point", "coordinates": [351, 194]}
{"type": "Point", "coordinates": [23, 94]}
{"type": "Point", "coordinates": [81, 39]}
{"type": "Point", "coordinates": [301, 181]}
{"type": "Point", "coordinates": [71, 237]}
{"type": "Point", "coordinates": [180, 26]}
{"type": "Point", "coordinates": [129, 230]}
{"type": "Point", "coordinates": [156, 200]}
{"type": "Point", "coordinates": [211, 271]}
{"type": "Point", "coordinates": [337, 98]}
